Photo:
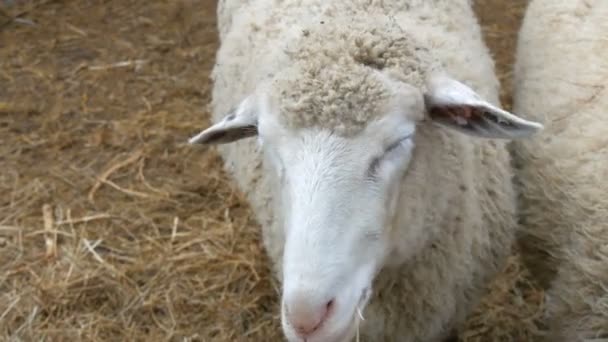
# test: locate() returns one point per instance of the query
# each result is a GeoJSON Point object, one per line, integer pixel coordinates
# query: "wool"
{"type": "Point", "coordinates": [330, 86]}
{"type": "Point", "coordinates": [561, 75]}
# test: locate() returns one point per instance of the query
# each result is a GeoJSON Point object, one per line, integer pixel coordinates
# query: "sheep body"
{"type": "Point", "coordinates": [458, 190]}
{"type": "Point", "coordinates": [561, 76]}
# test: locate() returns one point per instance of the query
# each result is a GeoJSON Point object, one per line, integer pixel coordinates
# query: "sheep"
{"type": "Point", "coordinates": [368, 139]}
{"type": "Point", "coordinates": [560, 78]}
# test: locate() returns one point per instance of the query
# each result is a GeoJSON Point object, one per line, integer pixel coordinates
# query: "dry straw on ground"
{"type": "Point", "coordinates": [110, 228]}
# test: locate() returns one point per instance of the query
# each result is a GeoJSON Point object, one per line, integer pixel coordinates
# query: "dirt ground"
{"type": "Point", "coordinates": [111, 229]}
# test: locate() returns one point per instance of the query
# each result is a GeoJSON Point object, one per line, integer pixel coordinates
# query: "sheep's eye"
{"type": "Point", "coordinates": [377, 160]}
{"type": "Point", "coordinates": [395, 145]}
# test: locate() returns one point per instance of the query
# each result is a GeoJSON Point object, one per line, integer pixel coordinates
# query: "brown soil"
{"type": "Point", "coordinates": [110, 227]}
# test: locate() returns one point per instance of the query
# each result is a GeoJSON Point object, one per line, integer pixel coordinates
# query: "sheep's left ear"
{"type": "Point", "coordinates": [454, 105]}
{"type": "Point", "coordinates": [239, 123]}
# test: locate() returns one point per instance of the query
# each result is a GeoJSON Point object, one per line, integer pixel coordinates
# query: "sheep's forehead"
{"type": "Point", "coordinates": [339, 101]}
{"type": "Point", "coordinates": [336, 85]}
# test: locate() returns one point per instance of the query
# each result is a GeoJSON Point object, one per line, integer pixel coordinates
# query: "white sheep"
{"type": "Point", "coordinates": [561, 79]}
{"type": "Point", "coordinates": [384, 205]}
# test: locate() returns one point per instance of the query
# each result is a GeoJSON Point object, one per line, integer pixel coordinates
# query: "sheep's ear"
{"type": "Point", "coordinates": [454, 105]}
{"type": "Point", "coordinates": [239, 123]}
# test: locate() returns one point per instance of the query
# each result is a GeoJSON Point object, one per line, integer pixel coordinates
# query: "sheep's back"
{"type": "Point", "coordinates": [561, 79]}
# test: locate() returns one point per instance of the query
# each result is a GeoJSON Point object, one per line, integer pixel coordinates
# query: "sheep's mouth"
{"type": "Point", "coordinates": [357, 317]}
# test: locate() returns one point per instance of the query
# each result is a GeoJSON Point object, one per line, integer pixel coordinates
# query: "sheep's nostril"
{"type": "Point", "coordinates": [328, 308]}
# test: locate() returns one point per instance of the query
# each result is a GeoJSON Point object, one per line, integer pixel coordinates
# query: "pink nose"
{"type": "Point", "coordinates": [305, 315]}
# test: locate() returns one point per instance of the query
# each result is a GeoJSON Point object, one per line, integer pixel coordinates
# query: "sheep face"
{"type": "Point", "coordinates": [338, 194]}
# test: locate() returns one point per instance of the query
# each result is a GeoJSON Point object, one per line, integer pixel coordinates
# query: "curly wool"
{"type": "Point", "coordinates": [561, 77]}
{"type": "Point", "coordinates": [331, 86]}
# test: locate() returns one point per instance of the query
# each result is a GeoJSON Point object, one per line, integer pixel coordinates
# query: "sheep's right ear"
{"type": "Point", "coordinates": [239, 123]}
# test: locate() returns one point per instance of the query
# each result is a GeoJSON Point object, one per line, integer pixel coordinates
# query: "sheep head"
{"type": "Point", "coordinates": [339, 192]}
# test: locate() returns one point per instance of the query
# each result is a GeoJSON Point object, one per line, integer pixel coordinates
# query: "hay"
{"type": "Point", "coordinates": [110, 228]}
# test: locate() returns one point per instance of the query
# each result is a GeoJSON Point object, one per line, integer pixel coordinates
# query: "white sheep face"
{"type": "Point", "coordinates": [338, 197]}
{"type": "Point", "coordinates": [339, 194]}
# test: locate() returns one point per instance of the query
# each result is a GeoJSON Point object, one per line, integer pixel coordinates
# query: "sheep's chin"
{"type": "Point", "coordinates": [350, 333]}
